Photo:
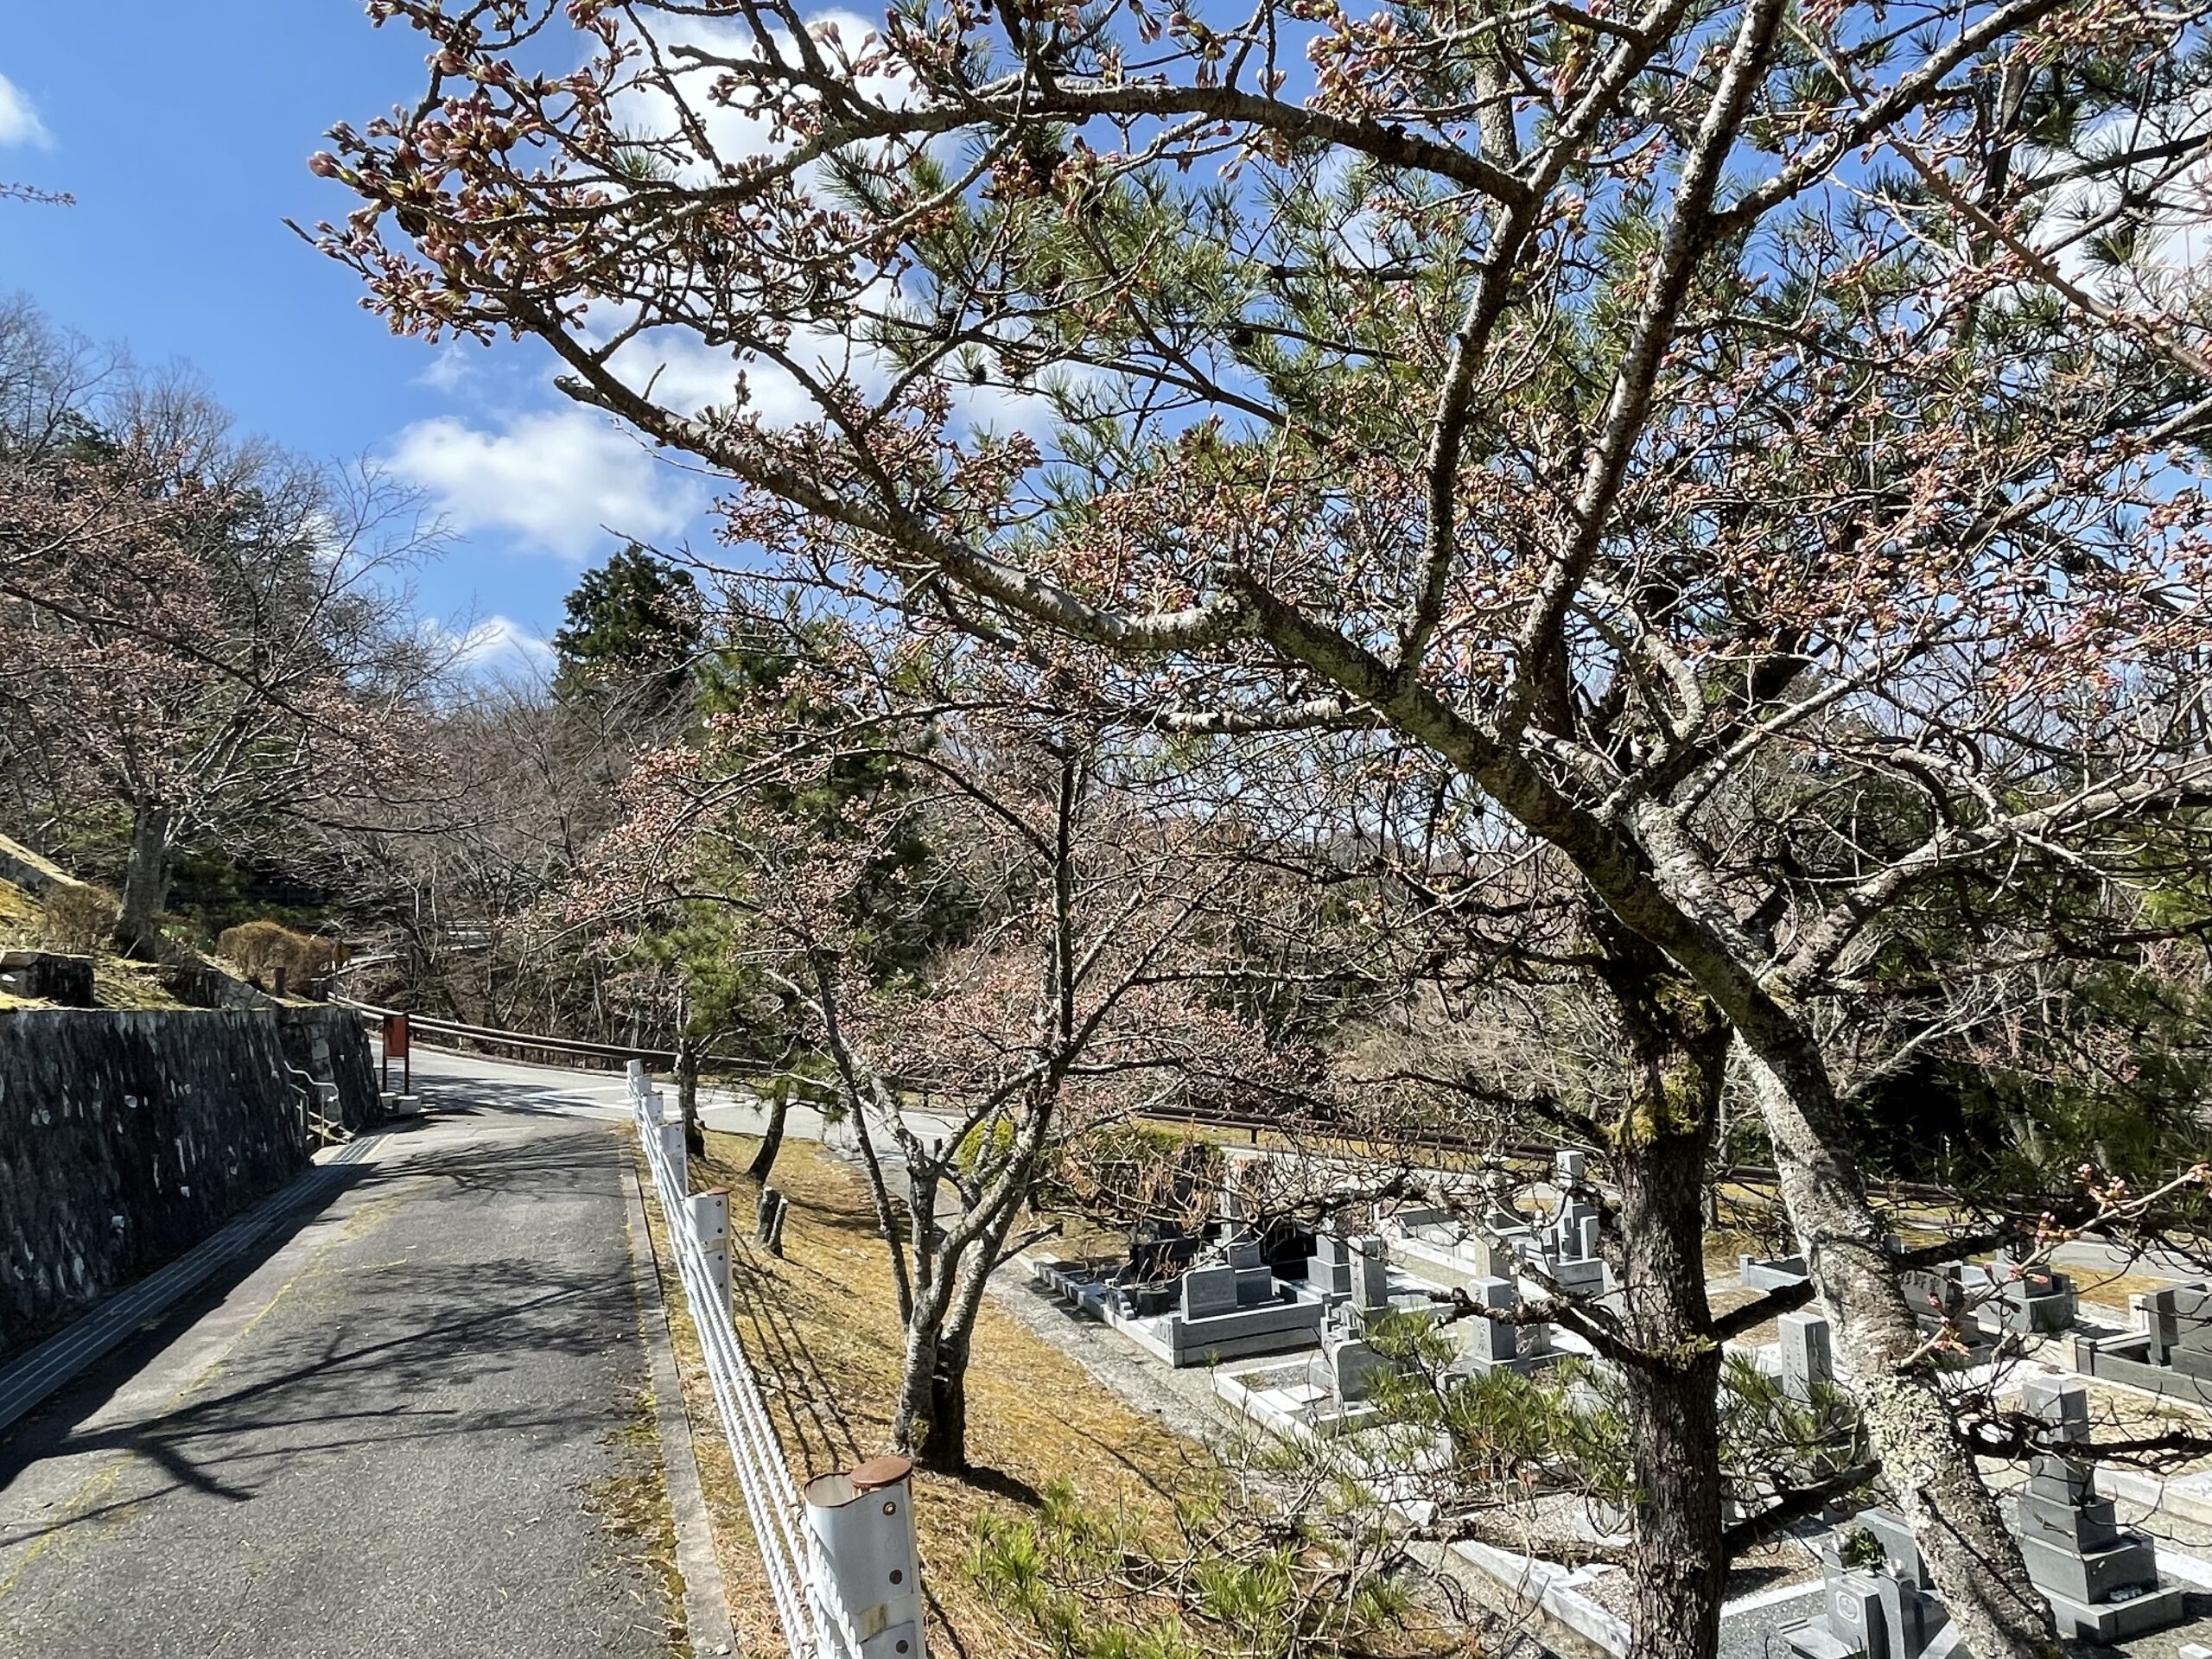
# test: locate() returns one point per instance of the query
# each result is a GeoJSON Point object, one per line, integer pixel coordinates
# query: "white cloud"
{"type": "Point", "coordinates": [500, 642]}
{"type": "Point", "coordinates": [19, 121]}
{"type": "Point", "coordinates": [564, 480]}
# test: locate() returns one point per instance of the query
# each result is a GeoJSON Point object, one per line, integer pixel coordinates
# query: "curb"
{"type": "Point", "coordinates": [706, 1602]}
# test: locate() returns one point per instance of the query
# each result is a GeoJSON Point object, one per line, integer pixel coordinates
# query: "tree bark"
{"type": "Point", "coordinates": [912, 1425]}
{"type": "Point", "coordinates": [687, 1096]}
{"type": "Point", "coordinates": [1676, 1047]}
{"type": "Point", "coordinates": [1972, 1557]}
{"type": "Point", "coordinates": [772, 1137]}
{"type": "Point", "coordinates": [146, 881]}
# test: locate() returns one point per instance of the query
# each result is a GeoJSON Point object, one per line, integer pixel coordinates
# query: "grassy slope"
{"type": "Point", "coordinates": [821, 1327]}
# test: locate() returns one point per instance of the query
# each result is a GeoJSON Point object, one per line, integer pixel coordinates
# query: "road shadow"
{"type": "Point", "coordinates": [427, 1348]}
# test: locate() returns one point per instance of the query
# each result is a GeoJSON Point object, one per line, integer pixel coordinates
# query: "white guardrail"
{"type": "Point", "coordinates": [821, 1553]}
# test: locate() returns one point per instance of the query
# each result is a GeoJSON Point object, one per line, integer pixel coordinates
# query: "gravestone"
{"type": "Point", "coordinates": [2033, 1299]}
{"type": "Point", "coordinates": [1497, 1257]}
{"type": "Point", "coordinates": [1807, 1354]}
{"type": "Point", "coordinates": [1885, 1612]}
{"type": "Point", "coordinates": [1330, 1270]}
{"type": "Point", "coordinates": [2181, 1328]}
{"type": "Point", "coordinates": [1568, 1167]}
{"type": "Point", "coordinates": [1345, 1368]}
{"type": "Point", "coordinates": [1208, 1292]}
{"type": "Point", "coordinates": [2171, 1353]}
{"type": "Point", "coordinates": [1492, 1343]}
{"type": "Point", "coordinates": [1570, 1248]}
{"type": "Point", "coordinates": [1945, 1295]}
{"type": "Point", "coordinates": [2101, 1581]}
{"type": "Point", "coordinates": [1370, 1276]}
{"type": "Point", "coordinates": [1227, 1311]}
{"type": "Point", "coordinates": [1771, 1273]}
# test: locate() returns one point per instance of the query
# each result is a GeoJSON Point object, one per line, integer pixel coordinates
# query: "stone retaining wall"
{"type": "Point", "coordinates": [128, 1136]}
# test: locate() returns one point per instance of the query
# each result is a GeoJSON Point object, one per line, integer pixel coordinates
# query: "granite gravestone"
{"type": "Point", "coordinates": [2101, 1582]}
{"type": "Point", "coordinates": [1491, 1342]}
{"type": "Point", "coordinates": [1869, 1609]}
{"type": "Point", "coordinates": [1808, 1348]}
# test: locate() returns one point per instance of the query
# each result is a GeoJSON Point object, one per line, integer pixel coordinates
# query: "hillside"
{"type": "Point", "coordinates": [43, 907]}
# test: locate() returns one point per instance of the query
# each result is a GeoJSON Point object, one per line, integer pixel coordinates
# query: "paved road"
{"type": "Point", "coordinates": [408, 1433]}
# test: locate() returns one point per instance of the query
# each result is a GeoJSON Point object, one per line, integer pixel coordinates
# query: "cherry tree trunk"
{"type": "Point", "coordinates": [913, 1426]}
{"type": "Point", "coordinates": [146, 881]}
{"type": "Point", "coordinates": [772, 1137]}
{"type": "Point", "coordinates": [1972, 1559]}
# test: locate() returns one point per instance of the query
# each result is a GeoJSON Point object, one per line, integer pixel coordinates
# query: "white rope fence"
{"type": "Point", "coordinates": [772, 1499]}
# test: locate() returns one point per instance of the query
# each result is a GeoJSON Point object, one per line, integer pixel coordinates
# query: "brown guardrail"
{"type": "Point", "coordinates": [1897, 1193]}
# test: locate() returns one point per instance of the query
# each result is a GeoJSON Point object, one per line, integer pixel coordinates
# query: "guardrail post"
{"type": "Point", "coordinates": [866, 1572]}
{"type": "Point", "coordinates": [710, 1216]}
{"type": "Point", "coordinates": [673, 1149]}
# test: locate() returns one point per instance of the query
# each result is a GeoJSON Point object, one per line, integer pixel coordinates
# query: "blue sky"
{"type": "Point", "coordinates": [183, 131]}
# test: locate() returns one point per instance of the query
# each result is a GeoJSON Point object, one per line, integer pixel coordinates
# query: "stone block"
{"type": "Point", "coordinates": [1579, 1278]}
{"type": "Point", "coordinates": [1568, 1166]}
{"type": "Point", "coordinates": [2091, 1575]}
{"type": "Point", "coordinates": [1281, 1327]}
{"type": "Point", "coordinates": [1351, 1365]}
{"type": "Point", "coordinates": [48, 976]}
{"type": "Point", "coordinates": [1209, 1291]}
{"type": "Point", "coordinates": [1771, 1272]}
{"type": "Point", "coordinates": [1853, 1603]}
{"type": "Point", "coordinates": [1899, 1548]}
{"type": "Point", "coordinates": [1330, 1270]}
{"type": "Point", "coordinates": [2076, 1526]}
{"type": "Point", "coordinates": [2060, 1404]}
{"type": "Point", "coordinates": [1244, 1251]}
{"type": "Point", "coordinates": [1488, 1342]}
{"type": "Point", "coordinates": [1370, 1282]}
{"type": "Point", "coordinates": [2063, 1480]}
{"type": "Point", "coordinates": [2117, 1619]}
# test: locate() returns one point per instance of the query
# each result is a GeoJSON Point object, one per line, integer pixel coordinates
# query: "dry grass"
{"type": "Point", "coordinates": [821, 1328]}
{"type": "Point", "coordinates": [2109, 1287]}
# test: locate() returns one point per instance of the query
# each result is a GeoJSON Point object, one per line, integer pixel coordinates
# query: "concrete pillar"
{"type": "Point", "coordinates": [866, 1571]}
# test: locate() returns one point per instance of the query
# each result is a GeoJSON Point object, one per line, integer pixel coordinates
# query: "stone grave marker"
{"type": "Point", "coordinates": [2101, 1582]}
{"type": "Point", "coordinates": [1879, 1612]}
{"type": "Point", "coordinates": [1807, 1353]}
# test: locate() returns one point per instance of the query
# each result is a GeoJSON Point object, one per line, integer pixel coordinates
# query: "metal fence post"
{"type": "Point", "coordinates": [710, 1229]}
{"type": "Point", "coordinates": [866, 1578]}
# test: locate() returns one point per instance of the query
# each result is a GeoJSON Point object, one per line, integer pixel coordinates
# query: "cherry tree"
{"type": "Point", "coordinates": [1686, 428]}
{"type": "Point", "coordinates": [200, 633]}
{"type": "Point", "coordinates": [1059, 982]}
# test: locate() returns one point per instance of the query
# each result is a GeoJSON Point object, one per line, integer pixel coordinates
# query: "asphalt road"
{"type": "Point", "coordinates": [414, 1430]}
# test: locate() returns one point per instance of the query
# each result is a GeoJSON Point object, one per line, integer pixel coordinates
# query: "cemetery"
{"type": "Point", "coordinates": [2169, 1353]}
{"type": "Point", "coordinates": [1286, 1339]}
